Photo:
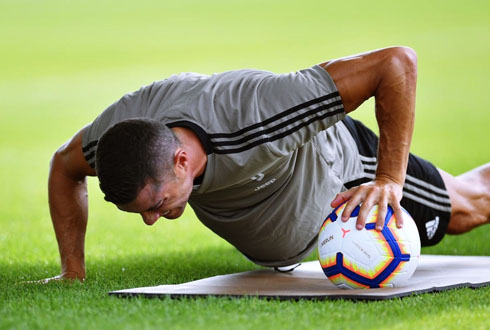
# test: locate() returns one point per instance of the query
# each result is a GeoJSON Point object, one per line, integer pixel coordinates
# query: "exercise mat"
{"type": "Point", "coordinates": [434, 273]}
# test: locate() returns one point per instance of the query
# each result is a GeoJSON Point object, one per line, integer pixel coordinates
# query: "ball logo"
{"type": "Point", "coordinates": [326, 240]}
{"type": "Point", "coordinates": [344, 232]}
{"type": "Point", "coordinates": [362, 250]}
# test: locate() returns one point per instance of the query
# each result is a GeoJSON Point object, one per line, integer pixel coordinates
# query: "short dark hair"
{"type": "Point", "coordinates": [130, 154]}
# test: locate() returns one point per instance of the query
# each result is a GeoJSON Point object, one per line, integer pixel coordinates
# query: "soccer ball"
{"type": "Point", "coordinates": [367, 258]}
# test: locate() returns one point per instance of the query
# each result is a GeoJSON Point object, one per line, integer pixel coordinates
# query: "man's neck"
{"type": "Point", "coordinates": [194, 148]}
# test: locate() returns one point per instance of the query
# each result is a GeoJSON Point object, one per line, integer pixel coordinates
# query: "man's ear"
{"type": "Point", "coordinates": [181, 162]}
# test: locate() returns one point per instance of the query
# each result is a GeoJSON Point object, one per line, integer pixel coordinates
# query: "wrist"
{"type": "Point", "coordinates": [73, 268]}
{"type": "Point", "coordinates": [390, 179]}
{"type": "Point", "coordinates": [72, 275]}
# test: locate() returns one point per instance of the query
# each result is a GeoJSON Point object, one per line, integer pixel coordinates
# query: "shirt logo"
{"type": "Point", "coordinates": [258, 177]}
{"type": "Point", "coordinates": [431, 227]}
{"type": "Point", "coordinates": [262, 186]}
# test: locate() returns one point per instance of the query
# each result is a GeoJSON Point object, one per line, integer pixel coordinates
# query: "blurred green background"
{"type": "Point", "coordinates": [63, 62]}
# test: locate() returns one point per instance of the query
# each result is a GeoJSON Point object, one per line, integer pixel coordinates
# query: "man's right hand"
{"type": "Point", "coordinates": [68, 205]}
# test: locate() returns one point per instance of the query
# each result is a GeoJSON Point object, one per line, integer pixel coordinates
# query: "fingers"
{"type": "Point", "coordinates": [382, 210]}
{"type": "Point", "coordinates": [343, 197]}
{"type": "Point", "coordinates": [398, 215]}
{"type": "Point", "coordinates": [367, 196]}
{"type": "Point", "coordinates": [57, 278]}
{"type": "Point", "coordinates": [354, 201]}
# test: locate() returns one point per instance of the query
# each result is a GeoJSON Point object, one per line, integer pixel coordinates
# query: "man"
{"type": "Point", "coordinates": [262, 158]}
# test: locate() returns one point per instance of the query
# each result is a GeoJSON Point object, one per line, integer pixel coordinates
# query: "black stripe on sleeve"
{"type": "Point", "coordinates": [369, 171]}
{"type": "Point", "coordinates": [278, 126]}
{"type": "Point", "coordinates": [280, 135]}
{"type": "Point", "coordinates": [276, 117]}
{"type": "Point", "coordinates": [90, 146]}
{"type": "Point", "coordinates": [90, 156]}
{"type": "Point", "coordinates": [367, 162]}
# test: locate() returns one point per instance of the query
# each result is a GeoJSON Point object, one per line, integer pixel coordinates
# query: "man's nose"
{"type": "Point", "coordinates": [149, 217]}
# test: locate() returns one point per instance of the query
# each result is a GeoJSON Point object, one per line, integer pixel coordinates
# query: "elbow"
{"type": "Point", "coordinates": [409, 58]}
{"type": "Point", "coordinates": [406, 53]}
{"type": "Point", "coordinates": [403, 59]}
{"type": "Point", "coordinates": [399, 72]}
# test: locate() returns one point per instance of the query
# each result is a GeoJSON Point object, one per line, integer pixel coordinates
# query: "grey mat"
{"type": "Point", "coordinates": [434, 273]}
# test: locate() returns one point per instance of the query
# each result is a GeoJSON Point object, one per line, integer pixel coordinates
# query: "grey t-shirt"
{"type": "Point", "coordinates": [276, 157]}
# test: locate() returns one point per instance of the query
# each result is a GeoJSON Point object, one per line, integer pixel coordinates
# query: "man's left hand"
{"type": "Point", "coordinates": [382, 191]}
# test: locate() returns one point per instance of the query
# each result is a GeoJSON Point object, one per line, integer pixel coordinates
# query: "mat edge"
{"type": "Point", "coordinates": [435, 289]}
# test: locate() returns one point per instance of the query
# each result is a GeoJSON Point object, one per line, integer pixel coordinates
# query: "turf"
{"type": "Point", "coordinates": [62, 62]}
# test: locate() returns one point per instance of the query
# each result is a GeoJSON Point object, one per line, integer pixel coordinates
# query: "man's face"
{"type": "Point", "coordinates": [166, 198]}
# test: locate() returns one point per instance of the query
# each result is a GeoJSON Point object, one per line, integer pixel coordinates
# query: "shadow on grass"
{"type": "Point", "coordinates": [172, 268]}
{"type": "Point", "coordinates": [136, 270]}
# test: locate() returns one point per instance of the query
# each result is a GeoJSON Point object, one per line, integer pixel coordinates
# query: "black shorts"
{"type": "Point", "coordinates": [424, 194]}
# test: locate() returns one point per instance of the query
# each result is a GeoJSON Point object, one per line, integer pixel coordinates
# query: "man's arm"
{"type": "Point", "coordinates": [390, 75]}
{"type": "Point", "coordinates": [68, 205]}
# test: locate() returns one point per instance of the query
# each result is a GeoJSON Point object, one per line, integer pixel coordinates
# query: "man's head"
{"type": "Point", "coordinates": [131, 154]}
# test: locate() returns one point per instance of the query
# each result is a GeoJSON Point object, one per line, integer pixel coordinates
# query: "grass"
{"type": "Point", "coordinates": [62, 62]}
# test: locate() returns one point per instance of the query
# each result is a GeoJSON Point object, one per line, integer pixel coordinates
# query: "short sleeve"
{"type": "Point", "coordinates": [288, 110]}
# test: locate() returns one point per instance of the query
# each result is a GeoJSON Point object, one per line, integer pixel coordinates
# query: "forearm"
{"type": "Point", "coordinates": [395, 114]}
{"type": "Point", "coordinates": [69, 211]}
